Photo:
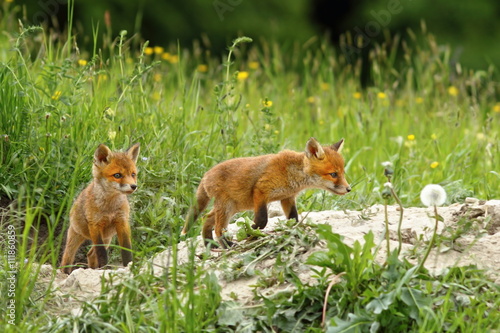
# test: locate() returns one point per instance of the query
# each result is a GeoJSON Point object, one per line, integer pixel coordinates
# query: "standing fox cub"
{"type": "Point", "coordinates": [252, 182]}
{"type": "Point", "coordinates": [102, 209]}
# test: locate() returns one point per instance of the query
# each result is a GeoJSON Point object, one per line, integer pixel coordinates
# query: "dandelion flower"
{"type": "Point", "coordinates": [433, 136]}
{"type": "Point", "coordinates": [242, 76]}
{"type": "Point", "coordinates": [253, 65]}
{"type": "Point", "coordinates": [82, 62]}
{"type": "Point", "coordinates": [56, 95]}
{"type": "Point", "coordinates": [324, 86]}
{"type": "Point", "coordinates": [202, 68]}
{"type": "Point", "coordinates": [434, 164]}
{"type": "Point", "coordinates": [267, 103]}
{"type": "Point", "coordinates": [419, 100]}
{"type": "Point", "coordinates": [357, 95]}
{"type": "Point", "coordinates": [387, 164]}
{"type": "Point", "coordinates": [311, 99]}
{"type": "Point", "coordinates": [433, 195]}
{"type": "Point", "coordinates": [166, 56]}
{"type": "Point", "coordinates": [453, 91]}
{"type": "Point", "coordinates": [148, 50]}
{"type": "Point", "coordinates": [112, 135]}
{"type": "Point", "coordinates": [411, 137]}
{"type": "Point", "coordinates": [381, 95]}
{"type": "Point", "coordinates": [157, 77]}
{"type": "Point", "coordinates": [480, 136]}
{"type": "Point", "coordinates": [174, 58]}
{"type": "Point", "coordinates": [496, 108]}
{"type": "Point", "coordinates": [158, 50]}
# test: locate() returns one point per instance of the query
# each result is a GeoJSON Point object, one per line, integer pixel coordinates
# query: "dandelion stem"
{"type": "Point", "coordinates": [431, 243]}
{"type": "Point", "coordinates": [401, 210]}
{"type": "Point", "coordinates": [387, 229]}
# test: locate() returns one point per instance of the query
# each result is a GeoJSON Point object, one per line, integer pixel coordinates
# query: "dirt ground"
{"type": "Point", "coordinates": [473, 226]}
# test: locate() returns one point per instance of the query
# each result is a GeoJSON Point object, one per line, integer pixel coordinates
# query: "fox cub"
{"type": "Point", "coordinates": [102, 209]}
{"type": "Point", "coordinates": [250, 183]}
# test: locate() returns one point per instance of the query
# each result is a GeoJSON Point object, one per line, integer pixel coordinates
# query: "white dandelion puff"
{"type": "Point", "coordinates": [387, 164]}
{"type": "Point", "coordinates": [433, 195]}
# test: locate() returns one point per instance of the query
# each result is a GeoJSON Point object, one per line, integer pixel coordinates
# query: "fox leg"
{"type": "Point", "coordinates": [260, 210]}
{"type": "Point", "coordinates": [97, 256]}
{"type": "Point", "coordinates": [92, 259]}
{"type": "Point", "coordinates": [208, 227]}
{"type": "Point", "coordinates": [290, 209]}
{"type": "Point", "coordinates": [73, 242]}
{"type": "Point", "coordinates": [222, 216]}
{"type": "Point", "coordinates": [123, 233]}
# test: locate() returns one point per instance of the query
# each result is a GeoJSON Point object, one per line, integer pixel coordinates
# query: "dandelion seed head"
{"type": "Point", "coordinates": [433, 195]}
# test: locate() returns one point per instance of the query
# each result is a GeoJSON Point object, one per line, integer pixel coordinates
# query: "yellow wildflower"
{"type": "Point", "coordinates": [253, 65]}
{"type": "Point", "coordinates": [311, 99]}
{"type": "Point", "coordinates": [56, 95]}
{"type": "Point", "coordinates": [434, 164]}
{"type": "Point", "coordinates": [242, 76]}
{"type": "Point", "coordinates": [9, 1]}
{"type": "Point", "coordinates": [381, 95]}
{"type": "Point", "coordinates": [112, 135]}
{"type": "Point", "coordinates": [267, 103]}
{"type": "Point", "coordinates": [324, 86]}
{"type": "Point", "coordinates": [480, 136]}
{"type": "Point", "coordinates": [157, 77]}
{"type": "Point", "coordinates": [148, 50]}
{"type": "Point", "coordinates": [166, 56]}
{"type": "Point", "coordinates": [158, 50]}
{"type": "Point", "coordinates": [267, 127]}
{"type": "Point", "coordinates": [202, 68]}
{"type": "Point", "coordinates": [174, 58]}
{"type": "Point", "coordinates": [453, 91]}
{"type": "Point", "coordinates": [419, 100]}
{"type": "Point", "coordinates": [357, 95]}
{"type": "Point", "coordinates": [434, 136]}
{"type": "Point", "coordinates": [156, 96]}
{"type": "Point", "coordinates": [411, 137]}
{"type": "Point", "coordinates": [82, 62]}
{"type": "Point", "coordinates": [496, 108]}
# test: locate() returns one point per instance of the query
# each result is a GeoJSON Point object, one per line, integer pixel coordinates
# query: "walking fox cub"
{"type": "Point", "coordinates": [102, 209]}
{"type": "Point", "coordinates": [252, 182]}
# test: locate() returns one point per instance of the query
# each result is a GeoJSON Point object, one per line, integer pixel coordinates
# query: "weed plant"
{"type": "Point", "coordinates": [189, 110]}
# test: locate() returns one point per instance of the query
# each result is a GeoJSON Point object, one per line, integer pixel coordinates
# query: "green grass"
{"type": "Point", "coordinates": [55, 109]}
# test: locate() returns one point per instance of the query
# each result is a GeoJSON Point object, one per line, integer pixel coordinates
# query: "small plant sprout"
{"type": "Point", "coordinates": [432, 195]}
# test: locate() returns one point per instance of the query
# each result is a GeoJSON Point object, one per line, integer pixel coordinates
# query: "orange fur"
{"type": "Point", "coordinates": [102, 209]}
{"type": "Point", "coordinates": [250, 183]}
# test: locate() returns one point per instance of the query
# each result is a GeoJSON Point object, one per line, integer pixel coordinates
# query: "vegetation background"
{"type": "Point", "coordinates": [160, 73]}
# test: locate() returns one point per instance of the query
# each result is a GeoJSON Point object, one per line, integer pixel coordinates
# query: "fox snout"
{"type": "Point", "coordinates": [128, 188]}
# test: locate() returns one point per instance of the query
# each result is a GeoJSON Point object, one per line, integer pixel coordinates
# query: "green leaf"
{"type": "Point", "coordinates": [355, 323]}
{"type": "Point", "coordinates": [381, 303]}
{"type": "Point", "coordinates": [320, 258]}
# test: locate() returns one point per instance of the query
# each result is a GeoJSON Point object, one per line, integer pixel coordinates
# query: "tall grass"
{"type": "Point", "coordinates": [435, 122]}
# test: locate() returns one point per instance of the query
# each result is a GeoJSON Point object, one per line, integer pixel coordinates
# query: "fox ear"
{"type": "Point", "coordinates": [133, 152]}
{"type": "Point", "coordinates": [314, 149]}
{"type": "Point", "coordinates": [338, 146]}
{"type": "Point", "coordinates": [102, 154]}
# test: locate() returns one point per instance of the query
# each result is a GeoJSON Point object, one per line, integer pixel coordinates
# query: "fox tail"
{"type": "Point", "coordinates": [202, 200]}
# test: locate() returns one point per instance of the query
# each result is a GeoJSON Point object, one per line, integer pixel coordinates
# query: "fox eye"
{"type": "Point", "coordinates": [133, 174]}
{"type": "Point", "coordinates": [334, 175]}
{"type": "Point", "coordinates": [117, 175]}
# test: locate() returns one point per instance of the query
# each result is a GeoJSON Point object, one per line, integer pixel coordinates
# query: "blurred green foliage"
{"type": "Point", "coordinates": [216, 22]}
